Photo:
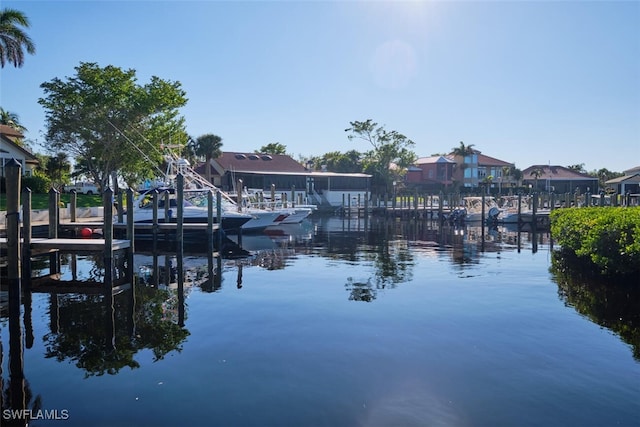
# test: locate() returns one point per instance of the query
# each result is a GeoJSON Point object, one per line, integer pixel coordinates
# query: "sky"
{"type": "Point", "coordinates": [527, 82]}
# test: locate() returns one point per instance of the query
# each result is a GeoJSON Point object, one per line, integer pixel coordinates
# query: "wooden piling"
{"type": "Point", "coordinates": [180, 209]}
{"type": "Point", "coordinates": [73, 205]}
{"type": "Point", "coordinates": [26, 232]}
{"type": "Point", "coordinates": [13, 171]}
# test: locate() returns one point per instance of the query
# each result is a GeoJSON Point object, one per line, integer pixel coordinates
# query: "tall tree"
{"type": "Point", "coordinates": [578, 167]}
{"type": "Point", "coordinates": [209, 146]}
{"type": "Point", "coordinates": [336, 161]}
{"type": "Point", "coordinates": [273, 148]}
{"type": "Point", "coordinates": [389, 148]}
{"type": "Point", "coordinates": [109, 123]}
{"type": "Point", "coordinates": [463, 150]}
{"type": "Point", "coordinates": [13, 39]}
{"type": "Point", "coordinates": [536, 173]}
{"type": "Point", "coordinates": [58, 169]}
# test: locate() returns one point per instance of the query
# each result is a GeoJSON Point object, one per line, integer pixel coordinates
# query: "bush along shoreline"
{"type": "Point", "coordinates": [606, 240]}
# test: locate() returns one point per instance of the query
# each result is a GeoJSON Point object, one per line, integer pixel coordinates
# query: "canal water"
{"type": "Point", "coordinates": [332, 323]}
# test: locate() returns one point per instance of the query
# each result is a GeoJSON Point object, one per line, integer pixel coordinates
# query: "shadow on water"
{"type": "Point", "coordinates": [613, 302]}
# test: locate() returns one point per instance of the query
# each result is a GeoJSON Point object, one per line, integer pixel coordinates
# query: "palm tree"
{"type": "Point", "coordinates": [13, 40]}
{"type": "Point", "coordinates": [536, 173]}
{"type": "Point", "coordinates": [209, 146]}
{"type": "Point", "coordinates": [463, 150]}
{"type": "Point", "coordinates": [11, 119]}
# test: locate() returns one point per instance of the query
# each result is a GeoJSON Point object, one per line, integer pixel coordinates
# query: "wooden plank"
{"type": "Point", "coordinates": [93, 245]}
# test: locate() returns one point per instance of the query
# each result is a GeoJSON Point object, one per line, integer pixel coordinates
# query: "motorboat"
{"type": "Point", "coordinates": [471, 209]}
{"type": "Point", "coordinates": [194, 211]}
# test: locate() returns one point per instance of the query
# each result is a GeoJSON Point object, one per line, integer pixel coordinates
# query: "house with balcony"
{"type": "Point", "coordinates": [453, 173]}
{"type": "Point", "coordinates": [434, 173]}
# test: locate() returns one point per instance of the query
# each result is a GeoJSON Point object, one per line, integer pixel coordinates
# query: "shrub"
{"type": "Point", "coordinates": [608, 237]}
{"type": "Point", "coordinates": [38, 183]}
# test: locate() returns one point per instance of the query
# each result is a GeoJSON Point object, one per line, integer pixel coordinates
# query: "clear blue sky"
{"type": "Point", "coordinates": [525, 82]}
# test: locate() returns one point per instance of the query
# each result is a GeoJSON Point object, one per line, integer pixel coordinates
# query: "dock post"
{"type": "Point", "coordinates": [519, 209]}
{"type": "Point", "coordinates": [210, 221]}
{"type": "Point", "coordinates": [219, 218]}
{"type": "Point", "coordinates": [130, 219]}
{"type": "Point", "coordinates": [54, 217]}
{"type": "Point", "coordinates": [119, 208]}
{"type": "Point", "coordinates": [293, 196]}
{"type": "Point", "coordinates": [13, 171]}
{"type": "Point", "coordinates": [155, 207]}
{"type": "Point", "coordinates": [26, 232]}
{"type": "Point", "coordinates": [534, 208]}
{"type": "Point", "coordinates": [73, 216]}
{"type": "Point", "coordinates": [54, 213]}
{"type": "Point", "coordinates": [239, 195]}
{"type": "Point", "coordinates": [107, 231]}
{"type": "Point", "coordinates": [273, 196]}
{"type": "Point", "coordinates": [180, 210]}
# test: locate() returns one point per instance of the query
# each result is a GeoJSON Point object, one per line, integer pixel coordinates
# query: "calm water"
{"type": "Point", "coordinates": [335, 324]}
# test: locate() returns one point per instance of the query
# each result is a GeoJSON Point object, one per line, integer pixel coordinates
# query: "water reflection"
{"type": "Point", "coordinates": [103, 331]}
{"type": "Point", "coordinates": [610, 303]}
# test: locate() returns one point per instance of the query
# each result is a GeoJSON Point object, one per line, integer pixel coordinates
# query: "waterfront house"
{"type": "Point", "coordinates": [262, 171]}
{"type": "Point", "coordinates": [629, 183]}
{"type": "Point", "coordinates": [443, 172]}
{"type": "Point", "coordinates": [558, 179]}
{"type": "Point", "coordinates": [11, 148]}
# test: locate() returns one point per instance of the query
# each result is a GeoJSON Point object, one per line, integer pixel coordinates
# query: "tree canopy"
{"type": "Point", "coordinates": [13, 39]}
{"type": "Point", "coordinates": [388, 148]}
{"type": "Point", "coordinates": [273, 148]}
{"type": "Point", "coordinates": [209, 146]}
{"type": "Point", "coordinates": [109, 123]}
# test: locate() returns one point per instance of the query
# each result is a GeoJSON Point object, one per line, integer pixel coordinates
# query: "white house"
{"type": "Point", "coordinates": [10, 149]}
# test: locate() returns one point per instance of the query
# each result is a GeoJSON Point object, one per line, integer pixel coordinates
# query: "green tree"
{"type": "Point", "coordinates": [463, 150]}
{"type": "Point", "coordinates": [112, 125]}
{"type": "Point", "coordinates": [12, 120]}
{"type": "Point", "coordinates": [209, 146]}
{"type": "Point", "coordinates": [389, 148]}
{"type": "Point", "coordinates": [578, 167]}
{"type": "Point", "coordinates": [536, 173]}
{"type": "Point", "coordinates": [604, 175]}
{"type": "Point", "coordinates": [58, 169]}
{"type": "Point", "coordinates": [337, 161]}
{"type": "Point", "coordinates": [13, 40]}
{"type": "Point", "coordinates": [273, 148]}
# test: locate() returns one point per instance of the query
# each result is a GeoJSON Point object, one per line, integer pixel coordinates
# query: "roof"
{"type": "Point", "coordinates": [254, 162]}
{"type": "Point", "coordinates": [555, 173]}
{"type": "Point", "coordinates": [632, 171]}
{"type": "Point", "coordinates": [491, 161]}
{"type": "Point", "coordinates": [9, 135]}
{"type": "Point", "coordinates": [631, 179]}
{"type": "Point", "coordinates": [433, 159]}
{"type": "Point", "coordinates": [10, 132]}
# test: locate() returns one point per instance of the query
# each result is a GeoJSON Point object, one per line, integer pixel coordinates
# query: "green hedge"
{"type": "Point", "coordinates": [609, 237]}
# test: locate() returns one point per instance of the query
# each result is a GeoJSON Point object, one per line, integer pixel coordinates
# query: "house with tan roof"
{"type": "Point", "coordinates": [10, 148]}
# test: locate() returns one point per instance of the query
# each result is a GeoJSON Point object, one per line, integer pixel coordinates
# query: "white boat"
{"type": "Point", "coordinates": [256, 199]}
{"type": "Point", "coordinates": [195, 195]}
{"type": "Point", "coordinates": [193, 211]}
{"type": "Point", "coordinates": [471, 208]}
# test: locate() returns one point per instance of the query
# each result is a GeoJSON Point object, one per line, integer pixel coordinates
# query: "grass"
{"type": "Point", "coordinates": [41, 201]}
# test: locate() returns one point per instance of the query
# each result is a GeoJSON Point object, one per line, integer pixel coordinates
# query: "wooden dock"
{"type": "Point", "coordinates": [44, 245]}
